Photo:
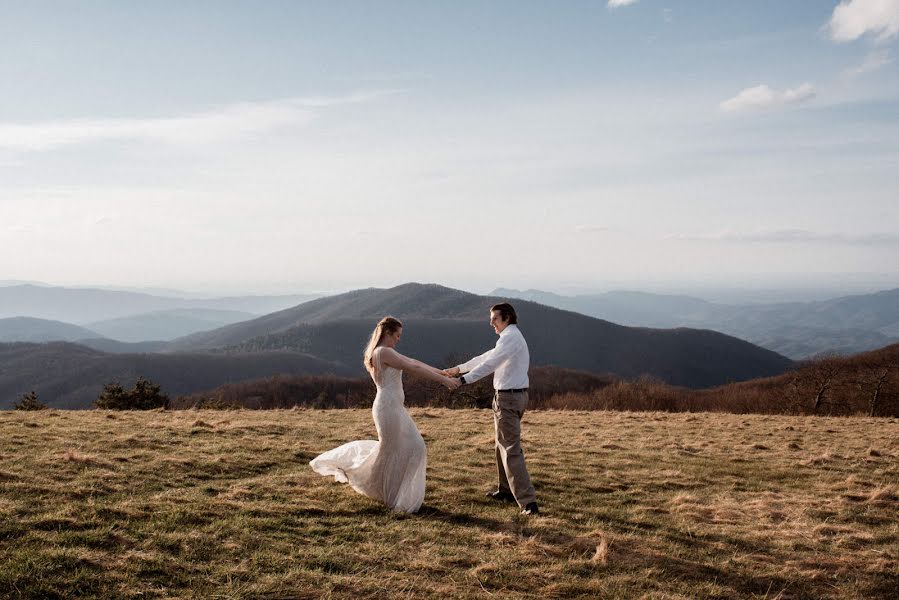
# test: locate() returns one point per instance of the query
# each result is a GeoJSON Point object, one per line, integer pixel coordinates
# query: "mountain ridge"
{"type": "Point", "coordinates": [399, 300]}
{"type": "Point", "coordinates": [443, 322]}
{"type": "Point", "coordinates": [847, 324]}
{"type": "Point", "coordinates": [166, 324]}
{"type": "Point", "coordinates": [31, 329]}
{"type": "Point", "coordinates": [80, 306]}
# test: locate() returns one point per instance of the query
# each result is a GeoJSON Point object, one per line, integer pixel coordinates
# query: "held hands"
{"type": "Point", "coordinates": [452, 383]}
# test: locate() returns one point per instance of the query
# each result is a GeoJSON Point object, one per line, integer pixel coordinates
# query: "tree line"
{"type": "Point", "coordinates": [865, 384]}
{"type": "Point", "coordinates": [144, 395]}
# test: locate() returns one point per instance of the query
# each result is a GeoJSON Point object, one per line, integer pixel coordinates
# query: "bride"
{"type": "Point", "coordinates": [392, 469]}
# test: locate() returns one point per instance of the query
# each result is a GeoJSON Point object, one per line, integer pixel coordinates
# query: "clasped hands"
{"type": "Point", "coordinates": [453, 382]}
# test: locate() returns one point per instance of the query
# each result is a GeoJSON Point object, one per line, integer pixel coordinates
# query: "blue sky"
{"type": "Point", "coordinates": [290, 146]}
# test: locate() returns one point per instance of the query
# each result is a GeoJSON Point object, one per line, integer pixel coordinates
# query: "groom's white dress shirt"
{"type": "Point", "coordinates": [508, 360]}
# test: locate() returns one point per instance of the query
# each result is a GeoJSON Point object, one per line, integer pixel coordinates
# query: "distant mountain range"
{"type": "Point", "coordinates": [28, 329]}
{"type": "Point", "coordinates": [166, 324]}
{"type": "Point", "coordinates": [82, 306]}
{"type": "Point", "coordinates": [115, 333]}
{"type": "Point", "coordinates": [123, 322]}
{"type": "Point", "coordinates": [444, 325]}
{"type": "Point", "coordinates": [799, 330]}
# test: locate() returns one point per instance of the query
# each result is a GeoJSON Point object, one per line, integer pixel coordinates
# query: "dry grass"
{"type": "Point", "coordinates": [203, 504]}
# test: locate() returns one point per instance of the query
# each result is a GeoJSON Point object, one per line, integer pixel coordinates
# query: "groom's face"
{"type": "Point", "coordinates": [496, 320]}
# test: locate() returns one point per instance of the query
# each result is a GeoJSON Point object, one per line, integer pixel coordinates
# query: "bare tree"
{"type": "Point", "coordinates": [876, 379]}
{"type": "Point", "coordinates": [817, 379]}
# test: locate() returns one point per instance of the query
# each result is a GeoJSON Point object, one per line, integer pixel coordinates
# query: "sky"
{"type": "Point", "coordinates": [287, 147]}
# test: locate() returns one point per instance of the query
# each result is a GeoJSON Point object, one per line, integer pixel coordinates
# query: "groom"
{"type": "Point", "coordinates": [509, 363]}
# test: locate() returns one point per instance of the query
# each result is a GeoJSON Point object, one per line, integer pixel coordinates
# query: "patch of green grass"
{"type": "Point", "coordinates": [200, 504]}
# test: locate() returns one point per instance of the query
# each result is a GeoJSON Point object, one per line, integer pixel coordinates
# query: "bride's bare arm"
{"type": "Point", "coordinates": [426, 366]}
{"type": "Point", "coordinates": [392, 358]}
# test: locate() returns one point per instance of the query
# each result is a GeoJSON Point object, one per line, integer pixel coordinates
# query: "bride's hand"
{"type": "Point", "coordinates": [451, 372]}
{"type": "Point", "coordinates": [452, 384]}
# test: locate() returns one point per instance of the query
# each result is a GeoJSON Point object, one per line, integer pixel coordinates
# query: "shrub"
{"type": "Point", "coordinates": [29, 402]}
{"type": "Point", "coordinates": [145, 395]}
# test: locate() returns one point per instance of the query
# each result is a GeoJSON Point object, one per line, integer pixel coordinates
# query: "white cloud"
{"type": "Point", "coordinates": [793, 236]}
{"type": "Point", "coordinates": [854, 18]}
{"type": "Point", "coordinates": [873, 61]}
{"type": "Point", "coordinates": [592, 229]}
{"type": "Point", "coordinates": [353, 98]}
{"type": "Point", "coordinates": [763, 97]}
{"type": "Point", "coordinates": [618, 3]}
{"type": "Point", "coordinates": [228, 122]}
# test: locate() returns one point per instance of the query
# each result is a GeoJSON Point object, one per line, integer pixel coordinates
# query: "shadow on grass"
{"type": "Point", "coordinates": [426, 512]}
{"type": "Point", "coordinates": [463, 519]}
{"type": "Point", "coordinates": [305, 455]}
{"type": "Point", "coordinates": [626, 555]}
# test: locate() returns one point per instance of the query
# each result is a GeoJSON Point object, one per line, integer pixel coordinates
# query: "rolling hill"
{"type": "Point", "coordinates": [69, 375]}
{"type": "Point", "coordinates": [117, 347]}
{"type": "Point", "coordinates": [88, 305]}
{"type": "Point", "coordinates": [166, 324]}
{"type": "Point", "coordinates": [845, 325]}
{"type": "Point", "coordinates": [443, 325]}
{"type": "Point", "coordinates": [864, 383]}
{"type": "Point", "coordinates": [146, 332]}
{"type": "Point", "coordinates": [28, 329]}
{"type": "Point", "coordinates": [409, 300]}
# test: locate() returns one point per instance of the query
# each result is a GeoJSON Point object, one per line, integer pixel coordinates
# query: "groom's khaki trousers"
{"type": "Point", "coordinates": [508, 408]}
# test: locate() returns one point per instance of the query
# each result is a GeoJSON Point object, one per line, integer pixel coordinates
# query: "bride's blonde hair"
{"type": "Point", "coordinates": [385, 326]}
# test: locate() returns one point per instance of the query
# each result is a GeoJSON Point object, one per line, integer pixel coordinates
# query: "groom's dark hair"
{"type": "Point", "coordinates": [506, 311]}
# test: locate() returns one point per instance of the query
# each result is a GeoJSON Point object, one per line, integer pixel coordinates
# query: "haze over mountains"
{"type": "Point", "coordinates": [123, 321]}
{"type": "Point", "coordinates": [845, 325]}
{"type": "Point", "coordinates": [133, 316]}
{"type": "Point", "coordinates": [629, 334]}
{"type": "Point", "coordinates": [85, 305]}
{"type": "Point", "coordinates": [443, 326]}
{"type": "Point", "coordinates": [167, 324]}
{"type": "Point", "coordinates": [29, 329]}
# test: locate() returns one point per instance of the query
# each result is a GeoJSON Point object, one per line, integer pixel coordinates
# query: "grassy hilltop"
{"type": "Point", "coordinates": [200, 504]}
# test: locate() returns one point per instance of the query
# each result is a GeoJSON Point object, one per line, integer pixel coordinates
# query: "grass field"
{"type": "Point", "coordinates": [222, 504]}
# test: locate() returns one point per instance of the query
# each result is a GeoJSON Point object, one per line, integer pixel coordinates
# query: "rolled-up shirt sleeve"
{"type": "Point", "coordinates": [485, 364]}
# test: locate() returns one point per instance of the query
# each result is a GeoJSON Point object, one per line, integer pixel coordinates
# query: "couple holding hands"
{"type": "Point", "coordinates": [392, 469]}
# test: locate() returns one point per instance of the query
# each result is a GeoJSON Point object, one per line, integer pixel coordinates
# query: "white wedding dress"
{"type": "Point", "coordinates": [392, 469]}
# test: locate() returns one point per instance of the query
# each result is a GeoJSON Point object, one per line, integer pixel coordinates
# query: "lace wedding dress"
{"type": "Point", "coordinates": [392, 469]}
